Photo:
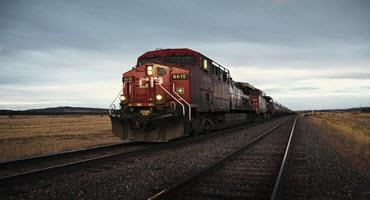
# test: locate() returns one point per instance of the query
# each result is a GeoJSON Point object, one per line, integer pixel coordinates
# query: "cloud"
{"type": "Point", "coordinates": [63, 66]}
{"type": "Point", "coordinates": [56, 52]}
{"type": "Point", "coordinates": [264, 75]}
{"type": "Point", "coordinates": [304, 88]}
{"type": "Point", "coordinates": [323, 102]}
{"type": "Point", "coordinates": [300, 88]}
{"type": "Point", "coordinates": [91, 94]}
{"type": "Point", "coordinates": [241, 54]}
{"type": "Point", "coordinates": [351, 75]}
{"type": "Point", "coordinates": [280, 2]}
{"type": "Point", "coordinates": [99, 25]}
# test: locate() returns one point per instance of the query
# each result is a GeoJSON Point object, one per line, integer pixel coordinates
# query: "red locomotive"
{"type": "Point", "coordinates": [173, 93]}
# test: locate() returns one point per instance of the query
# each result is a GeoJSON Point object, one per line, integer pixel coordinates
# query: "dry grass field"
{"type": "Point", "coordinates": [23, 136]}
{"type": "Point", "coordinates": [349, 133]}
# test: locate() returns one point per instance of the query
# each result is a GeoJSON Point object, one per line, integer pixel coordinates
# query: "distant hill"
{"type": "Point", "coordinates": [56, 111]}
{"type": "Point", "coordinates": [358, 109]}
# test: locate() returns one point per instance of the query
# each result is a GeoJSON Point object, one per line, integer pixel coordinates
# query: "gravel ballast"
{"type": "Point", "coordinates": [316, 171]}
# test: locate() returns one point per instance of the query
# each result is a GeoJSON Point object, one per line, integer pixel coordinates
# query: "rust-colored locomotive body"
{"type": "Point", "coordinates": [173, 93]}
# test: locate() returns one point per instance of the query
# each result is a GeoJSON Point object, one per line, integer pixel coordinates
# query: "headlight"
{"type": "Point", "coordinates": [158, 97]}
{"type": "Point", "coordinates": [149, 70]}
{"type": "Point", "coordinates": [122, 98]}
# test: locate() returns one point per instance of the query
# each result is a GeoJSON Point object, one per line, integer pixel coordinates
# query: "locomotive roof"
{"type": "Point", "coordinates": [246, 85]}
{"type": "Point", "coordinates": [267, 97]}
{"type": "Point", "coordinates": [178, 51]}
{"type": "Point", "coordinates": [166, 52]}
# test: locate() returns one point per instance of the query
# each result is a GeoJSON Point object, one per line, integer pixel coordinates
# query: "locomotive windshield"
{"type": "Point", "coordinates": [182, 60]}
{"type": "Point", "coordinates": [178, 60]}
{"type": "Point", "coordinates": [156, 59]}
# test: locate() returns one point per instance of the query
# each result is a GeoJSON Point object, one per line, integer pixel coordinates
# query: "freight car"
{"type": "Point", "coordinates": [173, 93]}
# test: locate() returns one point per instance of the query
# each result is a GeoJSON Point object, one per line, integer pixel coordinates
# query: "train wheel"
{"type": "Point", "coordinates": [208, 125]}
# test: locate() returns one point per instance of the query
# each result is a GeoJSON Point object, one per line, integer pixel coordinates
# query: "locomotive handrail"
{"type": "Point", "coordinates": [112, 105]}
{"type": "Point", "coordinates": [183, 107]}
{"type": "Point", "coordinates": [173, 89]}
{"type": "Point", "coordinates": [220, 66]}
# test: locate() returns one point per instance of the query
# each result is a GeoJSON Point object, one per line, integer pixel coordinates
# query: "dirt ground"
{"type": "Point", "coordinates": [23, 136]}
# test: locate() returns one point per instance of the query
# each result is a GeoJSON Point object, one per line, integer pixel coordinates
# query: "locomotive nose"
{"type": "Point", "coordinates": [145, 91]}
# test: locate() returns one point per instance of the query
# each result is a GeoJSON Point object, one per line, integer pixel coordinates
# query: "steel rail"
{"type": "Point", "coordinates": [215, 164]}
{"type": "Point", "coordinates": [277, 186]}
{"type": "Point", "coordinates": [8, 162]}
{"type": "Point", "coordinates": [39, 171]}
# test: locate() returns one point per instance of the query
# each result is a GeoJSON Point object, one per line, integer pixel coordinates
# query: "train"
{"type": "Point", "coordinates": [176, 93]}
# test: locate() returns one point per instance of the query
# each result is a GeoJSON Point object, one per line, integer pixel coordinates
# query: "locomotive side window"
{"type": "Point", "coordinates": [205, 65]}
{"type": "Point", "coordinates": [213, 68]}
{"type": "Point", "coordinates": [224, 76]}
{"type": "Point", "coordinates": [217, 71]}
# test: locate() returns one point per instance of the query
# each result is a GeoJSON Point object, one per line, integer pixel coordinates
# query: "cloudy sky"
{"type": "Point", "coordinates": [307, 54]}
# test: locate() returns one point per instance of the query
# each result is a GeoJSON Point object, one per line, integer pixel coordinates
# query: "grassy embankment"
{"type": "Point", "coordinates": [349, 134]}
{"type": "Point", "coordinates": [23, 136]}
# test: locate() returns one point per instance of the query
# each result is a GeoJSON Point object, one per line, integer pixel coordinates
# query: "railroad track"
{"type": "Point", "coordinates": [30, 169]}
{"type": "Point", "coordinates": [21, 170]}
{"type": "Point", "coordinates": [254, 171]}
{"type": "Point", "coordinates": [24, 168]}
